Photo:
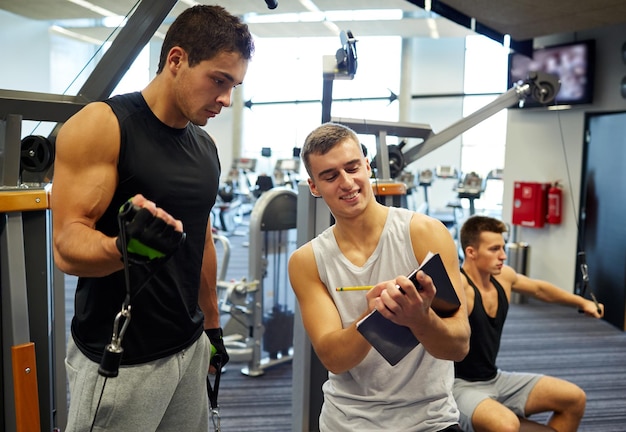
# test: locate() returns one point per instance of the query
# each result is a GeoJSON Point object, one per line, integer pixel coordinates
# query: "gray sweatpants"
{"type": "Point", "coordinates": [164, 395]}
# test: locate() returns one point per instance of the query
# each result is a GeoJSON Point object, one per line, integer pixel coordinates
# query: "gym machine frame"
{"type": "Point", "coordinates": [313, 214]}
{"type": "Point", "coordinates": [539, 86]}
{"type": "Point", "coordinates": [249, 328]}
{"type": "Point", "coordinates": [32, 289]}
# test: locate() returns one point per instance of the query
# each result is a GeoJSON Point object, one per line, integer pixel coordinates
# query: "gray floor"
{"type": "Point", "coordinates": [558, 341]}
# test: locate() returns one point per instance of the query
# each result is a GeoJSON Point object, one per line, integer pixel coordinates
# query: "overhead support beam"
{"type": "Point", "coordinates": [539, 86]}
{"type": "Point", "coordinates": [114, 64]}
{"type": "Point", "coordinates": [39, 106]}
{"type": "Point", "coordinates": [133, 37]}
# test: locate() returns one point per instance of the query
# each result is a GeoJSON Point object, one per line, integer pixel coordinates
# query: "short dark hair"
{"type": "Point", "coordinates": [205, 31]}
{"type": "Point", "coordinates": [477, 224]}
{"type": "Point", "coordinates": [323, 138]}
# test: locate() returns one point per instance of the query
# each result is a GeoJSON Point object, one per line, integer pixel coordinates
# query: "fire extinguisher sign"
{"type": "Point", "coordinates": [530, 204]}
{"type": "Point", "coordinates": [527, 192]}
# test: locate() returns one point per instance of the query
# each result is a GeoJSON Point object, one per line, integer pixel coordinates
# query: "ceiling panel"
{"type": "Point", "coordinates": [528, 19]}
{"type": "Point", "coordinates": [522, 19]}
{"type": "Point", "coordinates": [55, 10]}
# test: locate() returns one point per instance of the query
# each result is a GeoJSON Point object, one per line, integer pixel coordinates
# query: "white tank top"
{"type": "Point", "coordinates": [413, 395]}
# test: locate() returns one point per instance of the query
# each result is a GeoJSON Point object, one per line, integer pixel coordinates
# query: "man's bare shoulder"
{"type": "Point", "coordinates": [92, 112]}
{"type": "Point", "coordinates": [427, 226]}
{"type": "Point", "coordinates": [95, 124]}
{"type": "Point", "coordinates": [302, 264]}
{"type": "Point", "coordinates": [302, 254]}
{"type": "Point", "coordinates": [304, 274]}
{"type": "Point", "coordinates": [93, 119]}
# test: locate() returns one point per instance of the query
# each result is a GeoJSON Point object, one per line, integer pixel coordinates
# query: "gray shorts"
{"type": "Point", "coordinates": [169, 394]}
{"type": "Point", "coordinates": [511, 389]}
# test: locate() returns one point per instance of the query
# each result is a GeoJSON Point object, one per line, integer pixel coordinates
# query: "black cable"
{"type": "Point", "coordinates": [212, 392]}
{"type": "Point", "coordinates": [214, 389]}
{"type": "Point", "coordinates": [122, 234]}
{"type": "Point", "coordinates": [126, 304]}
{"type": "Point", "coordinates": [569, 176]}
{"type": "Point", "coordinates": [123, 240]}
{"type": "Point", "coordinates": [93, 422]}
{"type": "Point", "coordinates": [581, 255]}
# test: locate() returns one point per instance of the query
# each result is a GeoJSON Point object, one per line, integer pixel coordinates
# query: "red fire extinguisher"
{"type": "Point", "coordinates": [555, 203]}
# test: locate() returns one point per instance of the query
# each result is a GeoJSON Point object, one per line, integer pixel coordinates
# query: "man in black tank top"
{"type": "Point", "coordinates": [490, 399]}
{"type": "Point", "coordinates": [146, 156]}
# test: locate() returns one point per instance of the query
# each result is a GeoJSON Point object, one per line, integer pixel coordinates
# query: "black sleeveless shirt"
{"type": "Point", "coordinates": [480, 362]}
{"type": "Point", "coordinates": [179, 170]}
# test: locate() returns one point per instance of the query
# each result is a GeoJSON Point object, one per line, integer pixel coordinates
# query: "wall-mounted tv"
{"type": "Point", "coordinates": [573, 63]}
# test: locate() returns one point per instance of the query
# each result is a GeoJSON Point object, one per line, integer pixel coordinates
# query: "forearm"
{"type": "Point", "coordinates": [444, 338]}
{"type": "Point", "coordinates": [552, 294]}
{"type": "Point", "coordinates": [82, 251]}
{"type": "Point", "coordinates": [207, 299]}
{"type": "Point", "coordinates": [341, 350]}
{"type": "Point", "coordinates": [207, 296]}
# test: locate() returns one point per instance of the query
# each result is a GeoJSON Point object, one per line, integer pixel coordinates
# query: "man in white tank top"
{"type": "Point", "coordinates": [374, 245]}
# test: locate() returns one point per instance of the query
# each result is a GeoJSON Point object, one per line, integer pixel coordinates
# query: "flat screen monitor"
{"type": "Point", "coordinates": [572, 63]}
{"type": "Point", "coordinates": [292, 165]}
{"type": "Point", "coordinates": [245, 164]}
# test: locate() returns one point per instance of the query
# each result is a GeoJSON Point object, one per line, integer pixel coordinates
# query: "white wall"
{"type": "Point", "coordinates": [26, 46]}
{"type": "Point", "coordinates": [26, 65]}
{"type": "Point", "coordinates": [543, 146]}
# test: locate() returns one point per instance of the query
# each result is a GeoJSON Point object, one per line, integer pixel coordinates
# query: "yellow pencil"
{"type": "Point", "coordinates": [355, 288]}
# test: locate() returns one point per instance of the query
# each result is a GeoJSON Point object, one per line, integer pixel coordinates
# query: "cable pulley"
{"type": "Point", "coordinates": [36, 153]}
{"type": "Point", "coordinates": [396, 160]}
{"type": "Point", "coordinates": [544, 87]}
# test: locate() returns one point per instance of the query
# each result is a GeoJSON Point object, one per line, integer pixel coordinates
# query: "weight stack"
{"type": "Point", "coordinates": [278, 335]}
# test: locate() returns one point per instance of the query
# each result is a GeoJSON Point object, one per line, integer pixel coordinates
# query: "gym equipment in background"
{"type": "Point", "coordinates": [425, 179]}
{"type": "Point", "coordinates": [287, 172]}
{"type": "Point", "coordinates": [470, 187]}
{"type": "Point", "coordinates": [37, 154]}
{"type": "Point", "coordinates": [453, 212]}
{"type": "Point", "coordinates": [259, 330]}
{"type": "Point", "coordinates": [263, 184]}
{"type": "Point", "coordinates": [235, 196]}
{"type": "Point", "coordinates": [539, 86]}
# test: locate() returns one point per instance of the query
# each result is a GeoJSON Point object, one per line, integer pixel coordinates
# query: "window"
{"type": "Point", "coordinates": [483, 146]}
{"type": "Point", "coordinates": [284, 89]}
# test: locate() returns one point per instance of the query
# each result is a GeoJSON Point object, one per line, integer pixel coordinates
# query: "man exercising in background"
{"type": "Point", "coordinates": [490, 399]}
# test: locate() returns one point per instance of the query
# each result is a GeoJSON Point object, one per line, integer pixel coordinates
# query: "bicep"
{"type": "Point", "coordinates": [85, 169]}
{"type": "Point", "coordinates": [209, 259]}
{"type": "Point", "coordinates": [518, 282]}
{"type": "Point", "coordinates": [210, 251]}
{"type": "Point", "coordinates": [319, 314]}
{"type": "Point", "coordinates": [430, 235]}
